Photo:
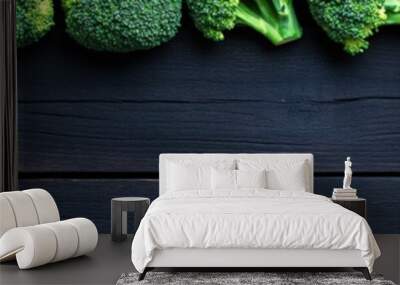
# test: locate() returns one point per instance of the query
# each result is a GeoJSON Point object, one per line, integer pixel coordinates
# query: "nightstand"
{"type": "Point", "coordinates": [358, 206]}
{"type": "Point", "coordinates": [119, 215]}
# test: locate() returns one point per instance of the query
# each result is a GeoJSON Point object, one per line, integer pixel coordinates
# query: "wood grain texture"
{"type": "Point", "coordinates": [112, 137]}
{"type": "Point", "coordinates": [91, 197]}
{"type": "Point", "coordinates": [94, 112]}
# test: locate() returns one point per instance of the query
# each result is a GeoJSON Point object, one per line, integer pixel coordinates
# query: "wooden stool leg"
{"type": "Point", "coordinates": [124, 225]}
{"type": "Point", "coordinates": [116, 221]}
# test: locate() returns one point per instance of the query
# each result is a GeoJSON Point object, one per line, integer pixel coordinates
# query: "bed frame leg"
{"type": "Point", "coordinates": [143, 274]}
{"type": "Point", "coordinates": [364, 271]}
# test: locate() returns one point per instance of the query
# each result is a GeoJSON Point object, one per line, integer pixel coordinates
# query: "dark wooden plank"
{"type": "Point", "coordinates": [130, 136]}
{"type": "Point", "coordinates": [87, 111]}
{"type": "Point", "coordinates": [91, 197]}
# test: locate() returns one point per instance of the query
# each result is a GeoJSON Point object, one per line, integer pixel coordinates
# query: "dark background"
{"type": "Point", "coordinates": [93, 124]}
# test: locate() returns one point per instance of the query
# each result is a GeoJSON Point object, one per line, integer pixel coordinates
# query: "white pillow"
{"type": "Point", "coordinates": [193, 174]}
{"type": "Point", "coordinates": [281, 174]}
{"type": "Point", "coordinates": [188, 177]}
{"type": "Point", "coordinates": [225, 179]}
{"type": "Point", "coordinates": [251, 179]}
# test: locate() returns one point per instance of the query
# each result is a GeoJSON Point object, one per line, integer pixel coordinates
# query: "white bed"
{"type": "Point", "coordinates": [250, 227]}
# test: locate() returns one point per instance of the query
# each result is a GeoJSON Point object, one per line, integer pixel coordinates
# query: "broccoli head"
{"type": "Point", "coordinates": [122, 25]}
{"type": "Point", "coordinates": [351, 22]}
{"type": "Point", "coordinates": [34, 20]}
{"type": "Point", "coordinates": [275, 19]}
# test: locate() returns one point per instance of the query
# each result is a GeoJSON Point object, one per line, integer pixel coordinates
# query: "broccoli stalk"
{"type": "Point", "coordinates": [392, 8]}
{"type": "Point", "coordinates": [279, 25]}
{"type": "Point", "coordinates": [352, 22]}
{"type": "Point", "coordinates": [275, 19]}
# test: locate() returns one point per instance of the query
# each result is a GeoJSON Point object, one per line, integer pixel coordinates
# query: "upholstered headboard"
{"type": "Point", "coordinates": [210, 157]}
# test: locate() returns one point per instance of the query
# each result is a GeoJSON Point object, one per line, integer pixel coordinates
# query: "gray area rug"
{"type": "Point", "coordinates": [269, 278]}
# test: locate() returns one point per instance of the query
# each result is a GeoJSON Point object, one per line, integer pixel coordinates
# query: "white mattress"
{"type": "Point", "coordinates": [253, 219]}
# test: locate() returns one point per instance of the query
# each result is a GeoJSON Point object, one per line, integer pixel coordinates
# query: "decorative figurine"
{"type": "Point", "coordinates": [348, 173]}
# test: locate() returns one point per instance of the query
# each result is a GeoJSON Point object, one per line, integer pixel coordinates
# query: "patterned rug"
{"type": "Point", "coordinates": [244, 278]}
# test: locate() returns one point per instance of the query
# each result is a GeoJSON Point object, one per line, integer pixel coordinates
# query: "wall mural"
{"type": "Point", "coordinates": [93, 117]}
{"type": "Point", "coordinates": [125, 25]}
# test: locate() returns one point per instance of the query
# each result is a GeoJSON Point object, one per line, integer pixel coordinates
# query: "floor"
{"type": "Point", "coordinates": [103, 266]}
{"type": "Point", "coordinates": [110, 260]}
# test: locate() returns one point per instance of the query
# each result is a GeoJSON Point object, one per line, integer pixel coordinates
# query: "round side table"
{"type": "Point", "coordinates": [119, 214]}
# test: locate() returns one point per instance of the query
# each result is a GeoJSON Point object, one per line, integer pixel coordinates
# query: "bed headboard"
{"type": "Point", "coordinates": [165, 157]}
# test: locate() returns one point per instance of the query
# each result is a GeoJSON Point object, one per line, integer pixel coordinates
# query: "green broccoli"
{"type": "Point", "coordinates": [351, 22]}
{"type": "Point", "coordinates": [34, 20]}
{"type": "Point", "coordinates": [275, 19]}
{"type": "Point", "coordinates": [122, 25]}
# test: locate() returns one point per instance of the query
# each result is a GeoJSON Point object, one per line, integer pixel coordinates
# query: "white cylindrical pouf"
{"type": "Point", "coordinates": [37, 245]}
{"type": "Point", "coordinates": [33, 246]}
{"type": "Point", "coordinates": [7, 218]}
{"type": "Point", "coordinates": [67, 240]}
{"type": "Point", "coordinates": [23, 208]}
{"type": "Point", "coordinates": [31, 232]}
{"type": "Point", "coordinates": [45, 205]}
{"type": "Point", "coordinates": [87, 234]}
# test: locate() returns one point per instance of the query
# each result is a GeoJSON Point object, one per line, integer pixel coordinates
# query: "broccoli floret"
{"type": "Point", "coordinates": [34, 20]}
{"type": "Point", "coordinates": [122, 25]}
{"type": "Point", "coordinates": [352, 22]}
{"type": "Point", "coordinates": [275, 19]}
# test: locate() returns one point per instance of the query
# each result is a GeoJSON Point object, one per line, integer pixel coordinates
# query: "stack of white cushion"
{"type": "Point", "coordinates": [235, 174]}
{"type": "Point", "coordinates": [31, 230]}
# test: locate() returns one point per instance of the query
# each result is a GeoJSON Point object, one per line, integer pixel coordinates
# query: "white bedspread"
{"type": "Point", "coordinates": [250, 219]}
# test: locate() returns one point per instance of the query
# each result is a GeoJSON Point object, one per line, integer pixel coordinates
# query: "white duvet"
{"type": "Point", "coordinates": [250, 219]}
